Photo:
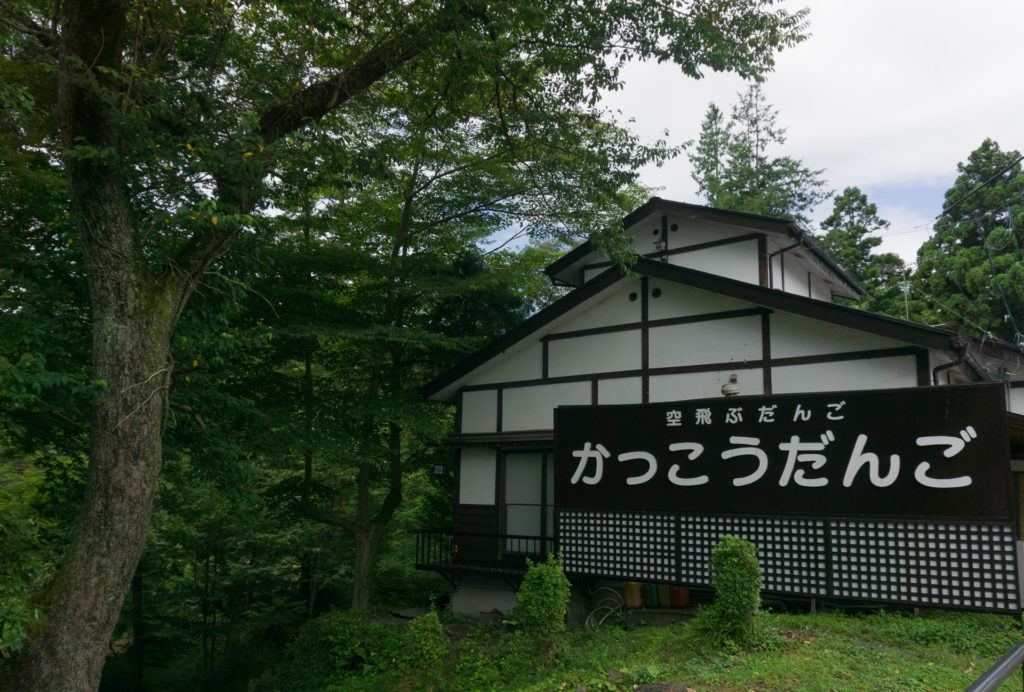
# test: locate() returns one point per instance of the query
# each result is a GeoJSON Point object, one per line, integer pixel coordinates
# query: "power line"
{"type": "Point", "coordinates": [923, 226]}
{"type": "Point", "coordinates": [960, 201]}
{"type": "Point", "coordinates": [918, 228]}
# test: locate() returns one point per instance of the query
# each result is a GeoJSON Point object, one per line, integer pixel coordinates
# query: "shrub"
{"type": "Point", "coordinates": [541, 604]}
{"type": "Point", "coordinates": [736, 576]}
{"type": "Point", "coordinates": [332, 647]}
{"type": "Point", "coordinates": [426, 643]}
{"type": "Point", "coordinates": [475, 670]}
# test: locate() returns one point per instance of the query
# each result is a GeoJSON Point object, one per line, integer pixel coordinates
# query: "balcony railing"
{"type": "Point", "coordinates": [449, 550]}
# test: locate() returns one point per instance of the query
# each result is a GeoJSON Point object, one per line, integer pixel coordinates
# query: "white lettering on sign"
{"type": "Point", "coordinates": [804, 461]}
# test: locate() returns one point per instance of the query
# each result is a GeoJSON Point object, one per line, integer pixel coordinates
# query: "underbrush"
{"type": "Point", "coordinates": [886, 651]}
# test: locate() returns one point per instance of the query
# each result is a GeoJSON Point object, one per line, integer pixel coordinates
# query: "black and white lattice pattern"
{"type": "Point", "coordinates": [791, 551]}
{"type": "Point", "coordinates": [629, 545]}
{"type": "Point", "coordinates": [954, 565]}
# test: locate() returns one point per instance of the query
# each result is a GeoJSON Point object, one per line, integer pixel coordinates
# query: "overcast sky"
{"type": "Point", "coordinates": [886, 95]}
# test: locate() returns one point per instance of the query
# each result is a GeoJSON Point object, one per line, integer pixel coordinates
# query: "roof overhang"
{"type": "Point", "coordinates": [445, 385]}
{"type": "Point", "coordinates": [559, 269]}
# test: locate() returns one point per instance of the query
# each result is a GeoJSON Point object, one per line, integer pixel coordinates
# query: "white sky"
{"type": "Point", "coordinates": [886, 95]}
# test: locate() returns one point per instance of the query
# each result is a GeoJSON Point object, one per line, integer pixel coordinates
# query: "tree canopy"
{"type": "Point", "coordinates": [850, 234]}
{"type": "Point", "coordinates": [971, 270]}
{"type": "Point", "coordinates": [737, 165]}
{"type": "Point", "coordinates": [182, 129]}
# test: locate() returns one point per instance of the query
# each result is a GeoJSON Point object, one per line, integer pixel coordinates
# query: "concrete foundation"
{"type": "Point", "coordinates": [479, 597]}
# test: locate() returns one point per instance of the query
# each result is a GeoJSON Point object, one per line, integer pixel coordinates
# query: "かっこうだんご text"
{"type": "Point", "coordinates": [804, 460]}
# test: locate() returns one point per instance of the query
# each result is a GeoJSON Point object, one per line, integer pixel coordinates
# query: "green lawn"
{"type": "Point", "coordinates": [934, 651]}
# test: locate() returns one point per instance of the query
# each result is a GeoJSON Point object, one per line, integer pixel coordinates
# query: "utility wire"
{"type": "Point", "coordinates": [963, 199]}
{"type": "Point", "coordinates": [946, 210]}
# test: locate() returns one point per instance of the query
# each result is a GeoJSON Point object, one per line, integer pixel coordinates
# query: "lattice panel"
{"type": "Point", "coordinates": [791, 551]}
{"type": "Point", "coordinates": [920, 563]}
{"type": "Point", "coordinates": [630, 545]}
{"type": "Point", "coordinates": [953, 565]}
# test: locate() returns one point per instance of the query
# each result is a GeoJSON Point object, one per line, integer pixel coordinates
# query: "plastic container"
{"type": "Point", "coordinates": [664, 597]}
{"type": "Point", "coordinates": [632, 594]}
{"type": "Point", "coordinates": [650, 595]}
{"type": "Point", "coordinates": [680, 596]}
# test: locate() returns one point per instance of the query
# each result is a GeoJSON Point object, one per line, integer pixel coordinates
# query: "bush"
{"type": "Point", "coordinates": [334, 646]}
{"type": "Point", "coordinates": [736, 577]}
{"type": "Point", "coordinates": [541, 604]}
{"type": "Point", "coordinates": [427, 642]}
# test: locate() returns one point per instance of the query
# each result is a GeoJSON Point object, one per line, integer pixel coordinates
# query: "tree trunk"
{"type": "Point", "coordinates": [131, 334]}
{"type": "Point", "coordinates": [368, 532]}
{"type": "Point", "coordinates": [132, 319]}
{"type": "Point", "coordinates": [366, 544]}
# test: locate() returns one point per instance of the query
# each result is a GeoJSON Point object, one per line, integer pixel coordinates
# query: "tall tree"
{"type": "Point", "coordinates": [171, 118]}
{"type": "Point", "coordinates": [848, 235]}
{"type": "Point", "coordinates": [971, 271]}
{"type": "Point", "coordinates": [735, 165]}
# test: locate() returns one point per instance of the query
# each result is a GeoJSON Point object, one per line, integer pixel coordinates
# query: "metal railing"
{"type": "Point", "coordinates": [999, 673]}
{"type": "Point", "coordinates": [434, 548]}
{"type": "Point", "coordinates": [445, 549]}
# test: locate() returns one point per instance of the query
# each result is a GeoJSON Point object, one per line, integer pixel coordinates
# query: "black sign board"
{"type": "Point", "coordinates": [929, 452]}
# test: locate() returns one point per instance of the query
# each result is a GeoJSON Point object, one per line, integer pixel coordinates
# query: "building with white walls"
{"type": "Point", "coordinates": [714, 295]}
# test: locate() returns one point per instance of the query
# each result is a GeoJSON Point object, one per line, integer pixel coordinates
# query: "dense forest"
{"type": "Point", "coordinates": [235, 240]}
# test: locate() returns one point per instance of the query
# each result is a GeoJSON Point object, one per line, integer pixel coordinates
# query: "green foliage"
{"type": "Point", "coordinates": [735, 168]}
{"type": "Point", "coordinates": [344, 647]}
{"type": "Point", "coordinates": [334, 646]}
{"type": "Point", "coordinates": [848, 235]}
{"type": "Point", "coordinates": [879, 651]}
{"type": "Point", "coordinates": [971, 271]}
{"type": "Point", "coordinates": [23, 560]}
{"type": "Point", "coordinates": [542, 603]}
{"type": "Point", "coordinates": [736, 576]}
{"type": "Point", "coordinates": [969, 634]}
{"type": "Point", "coordinates": [476, 669]}
{"type": "Point", "coordinates": [362, 264]}
{"type": "Point", "coordinates": [425, 639]}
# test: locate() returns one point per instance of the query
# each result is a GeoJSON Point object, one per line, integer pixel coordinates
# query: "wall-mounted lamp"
{"type": "Point", "coordinates": [732, 387]}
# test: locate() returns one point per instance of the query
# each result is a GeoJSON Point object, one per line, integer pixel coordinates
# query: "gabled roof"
{"type": "Point", "coordinates": [757, 222]}
{"type": "Point", "coordinates": [881, 325]}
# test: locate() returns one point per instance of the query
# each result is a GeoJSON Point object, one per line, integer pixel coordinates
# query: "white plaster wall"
{"type": "Point", "coordinates": [682, 301]}
{"type": "Point", "coordinates": [480, 411]}
{"type": "Point", "coordinates": [1017, 400]}
{"type": "Point", "coordinates": [872, 373]}
{"type": "Point", "coordinates": [735, 339]}
{"type": "Point", "coordinates": [696, 232]}
{"type": "Point", "coordinates": [703, 385]}
{"type": "Point", "coordinates": [476, 476]}
{"type": "Point", "coordinates": [735, 261]}
{"type": "Point", "coordinates": [532, 408]}
{"type": "Point", "coordinates": [589, 274]}
{"type": "Point", "coordinates": [801, 336]}
{"type": "Point", "coordinates": [820, 290]}
{"type": "Point", "coordinates": [617, 308]}
{"type": "Point", "coordinates": [621, 390]}
{"type": "Point", "coordinates": [597, 353]}
{"type": "Point", "coordinates": [776, 267]}
{"type": "Point", "coordinates": [524, 364]}
{"type": "Point", "coordinates": [796, 275]}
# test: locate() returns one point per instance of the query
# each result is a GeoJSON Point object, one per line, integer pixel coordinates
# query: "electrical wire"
{"type": "Point", "coordinates": [954, 205]}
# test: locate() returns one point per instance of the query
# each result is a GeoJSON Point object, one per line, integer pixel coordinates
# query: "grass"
{"type": "Point", "coordinates": [883, 651]}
